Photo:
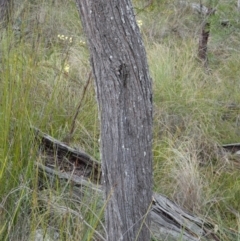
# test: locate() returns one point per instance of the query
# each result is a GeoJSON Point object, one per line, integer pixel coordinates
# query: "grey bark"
{"type": "Point", "coordinates": [124, 95]}
{"type": "Point", "coordinates": [6, 7]}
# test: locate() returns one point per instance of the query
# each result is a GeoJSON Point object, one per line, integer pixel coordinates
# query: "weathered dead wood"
{"type": "Point", "coordinates": [234, 150]}
{"type": "Point", "coordinates": [168, 220]}
{"type": "Point", "coordinates": [61, 156]}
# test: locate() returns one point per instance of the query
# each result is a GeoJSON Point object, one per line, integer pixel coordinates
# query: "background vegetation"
{"type": "Point", "coordinates": [44, 68]}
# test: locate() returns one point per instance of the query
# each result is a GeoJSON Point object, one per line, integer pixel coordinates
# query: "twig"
{"type": "Point", "coordinates": [69, 136]}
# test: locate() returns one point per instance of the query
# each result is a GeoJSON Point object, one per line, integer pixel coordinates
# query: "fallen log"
{"type": "Point", "coordinates": [234, 148]}
{"type": "Point", "coordinates": [169, 221]}
{"type": "Point", "coordinates": [61, 156]}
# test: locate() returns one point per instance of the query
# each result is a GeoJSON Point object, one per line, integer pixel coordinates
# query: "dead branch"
{"type": "Point", "coordinates": [169, 221]}
{"type": "Point", "coordinates": [70, 135]}
{"type": "Point", "coordinates": [59, 155]}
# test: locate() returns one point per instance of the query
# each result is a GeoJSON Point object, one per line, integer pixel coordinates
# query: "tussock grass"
{"type": "Point", "coordinates": [38, 90]}
{"type": "Point", "coordinates": [42, 80]}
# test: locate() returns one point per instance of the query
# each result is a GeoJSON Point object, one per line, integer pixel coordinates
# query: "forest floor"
{"type": "Point", "coordinates": [46, 82]}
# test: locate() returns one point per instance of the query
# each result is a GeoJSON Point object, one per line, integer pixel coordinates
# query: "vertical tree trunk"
{"type": "Point", "coordinates": [5, 12]}
{"type": "Point", "coordinates": [124, 94]}
{"type": "Point", "coordinates": [203, 40]}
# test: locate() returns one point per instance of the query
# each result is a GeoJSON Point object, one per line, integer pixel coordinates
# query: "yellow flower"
{"type": "Point", "coordinates": [139, 23]}
{"type": "Point", "coordinates": [82, 42]}
{"type": "Point", "coordinates": [66, 68]}
{"type": "Point", "coordinates": [65, 38]}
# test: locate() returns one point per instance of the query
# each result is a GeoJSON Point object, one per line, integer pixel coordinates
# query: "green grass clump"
{"type": "Point", "coordinates": [44, 82]}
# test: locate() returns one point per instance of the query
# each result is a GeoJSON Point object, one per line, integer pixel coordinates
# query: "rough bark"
{"type": "Point", "coordinates": [124, 95]}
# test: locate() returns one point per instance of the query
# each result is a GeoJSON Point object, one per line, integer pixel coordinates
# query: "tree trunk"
{"type": "Point", "coordinates": [203, 40]}
{"type": "Point", "coordinates": [124, 95]}
{"type": "Point", "coordinates": [5, 12]}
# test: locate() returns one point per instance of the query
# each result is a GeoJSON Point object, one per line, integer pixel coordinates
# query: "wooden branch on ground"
{"type": "Point", "coordinates": [169, 221]}
{"type": "Point", "coordinates": [61, 156]}
{"type": "Point", "coordinates": [234, 148]}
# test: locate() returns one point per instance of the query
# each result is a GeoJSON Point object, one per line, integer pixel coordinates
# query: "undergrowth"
{"type": "Point", "coordinates": [44, 69]}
